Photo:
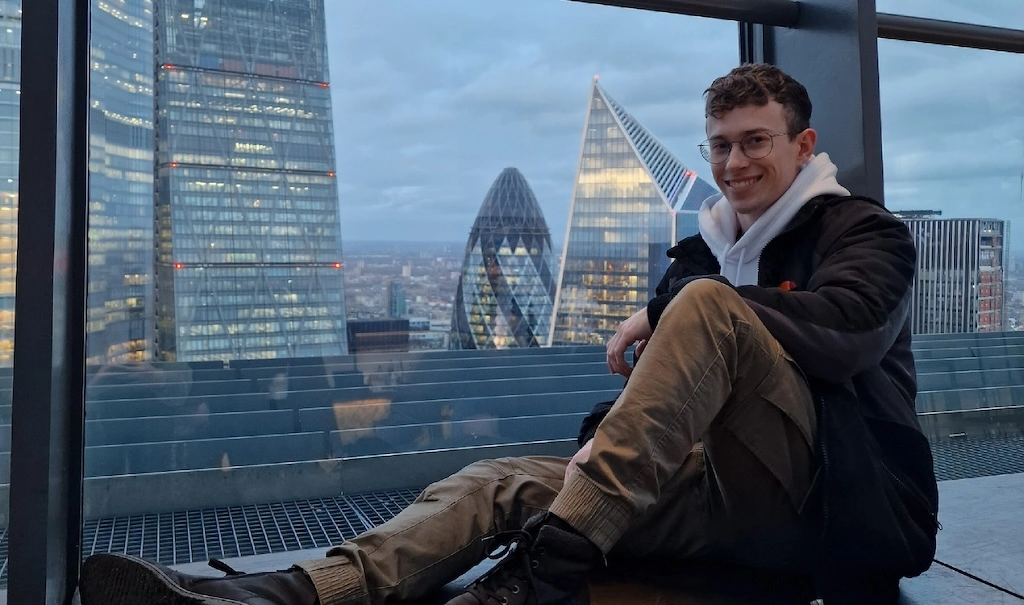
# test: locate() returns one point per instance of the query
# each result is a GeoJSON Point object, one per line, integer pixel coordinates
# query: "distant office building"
{"type": "Point", "coordinates": [507, 286]}
{"type": "Point", "coordinates": [248, 237]}
{"type": "Point", "coordinates": [632, 201]}
{"type": "Point", "coordinates": [120, 309]}
{"type": "Point", "coordinates": [396, 300]}
{"type": "Point", "coordinates": [378, 335]}
{"type": "Point", "coordinates": [10, 118]}
{"type": "Point", "coordinates": [120, 304]}
{"type": "Point", "coordinates": [959, 282]}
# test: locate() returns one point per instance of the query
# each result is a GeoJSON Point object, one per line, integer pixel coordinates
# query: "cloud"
{"type": "Point", "coordinates": [433, 99]}
{"type": "Point", "coordinates": [953, 130]}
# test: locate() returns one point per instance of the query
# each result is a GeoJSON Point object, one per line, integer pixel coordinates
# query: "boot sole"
{"type": "Point", "coordinates": [112, 579]}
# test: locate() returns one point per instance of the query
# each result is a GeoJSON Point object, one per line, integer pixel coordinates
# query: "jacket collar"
{"type": "Point", "coordinates": [810, 210]}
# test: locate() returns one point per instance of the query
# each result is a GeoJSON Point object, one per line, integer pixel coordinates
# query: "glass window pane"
{"type": "Point", "coordinates": [239, 360]}
{"type": "Point", "coordinates": [996, 13]}
{"type": "Point", "coordinates": [10, 106]}
{"type": "Point", "coordinates": [953, 143]}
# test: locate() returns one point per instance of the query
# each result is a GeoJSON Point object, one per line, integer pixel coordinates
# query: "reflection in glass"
{"type": "Point", "coordinates": [633, 200]}
{"type": "Point", "coordinates": [120, 300]}
{"type": "Point", "coordinates": [10, 106]}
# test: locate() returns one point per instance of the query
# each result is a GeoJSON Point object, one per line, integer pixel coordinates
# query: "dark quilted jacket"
{"type": "Point", "coordinates": [844, 317]}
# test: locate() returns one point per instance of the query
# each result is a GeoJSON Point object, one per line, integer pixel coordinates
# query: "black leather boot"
{"type": "Point", "coordinates": [545, 563]}
{"type": "Point", "coordinates": [110, 579]}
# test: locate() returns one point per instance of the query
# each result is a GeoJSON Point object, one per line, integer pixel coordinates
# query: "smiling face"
{"type": "Point", "coordinates": [752, 186]}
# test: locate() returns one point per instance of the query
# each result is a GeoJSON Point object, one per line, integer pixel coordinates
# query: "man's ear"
{"type": "Point", "coordinates": [806, 141]}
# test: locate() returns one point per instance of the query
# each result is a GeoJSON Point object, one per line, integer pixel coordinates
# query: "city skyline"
{"type": "Point", "coordinates": [514, 99]}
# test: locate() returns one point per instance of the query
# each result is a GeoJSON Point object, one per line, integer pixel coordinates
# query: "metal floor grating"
{"type": "Point", "coordinates": [238, 531]}
{"type": "Point", "coordinates": [966, 458]}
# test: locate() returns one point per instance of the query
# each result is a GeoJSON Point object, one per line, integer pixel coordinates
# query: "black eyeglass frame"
{"type": "Point", "coordinates": [705, 147]}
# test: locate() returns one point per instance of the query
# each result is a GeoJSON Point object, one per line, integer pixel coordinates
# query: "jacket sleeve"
{"type": "Point", "coordinates": [856, 301]}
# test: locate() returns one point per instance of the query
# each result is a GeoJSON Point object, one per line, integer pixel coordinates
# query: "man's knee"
{"type": "Point", "coordinates": [707, 295]}
{"type": "Point", "coordinates": [497, 469]}
{"type": "Point", "coordinates": [487, 470]}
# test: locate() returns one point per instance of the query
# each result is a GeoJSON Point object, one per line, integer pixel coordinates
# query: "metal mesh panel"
{"type": "Point", "coordinates": [965, 458]}
{"type": "Point", "coordinates": [236, 531]}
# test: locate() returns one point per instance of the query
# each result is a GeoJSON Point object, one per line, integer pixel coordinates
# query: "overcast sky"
{"type": "Point", "coordinates": [433, 99]}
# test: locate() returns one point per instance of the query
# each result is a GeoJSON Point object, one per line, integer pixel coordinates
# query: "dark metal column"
{"type": "Point", "coordinates": [48, 398]}
{"type": "Point", "coordinates": [833, 51]}
{"type": "Point", "coordinates": [754, 46]}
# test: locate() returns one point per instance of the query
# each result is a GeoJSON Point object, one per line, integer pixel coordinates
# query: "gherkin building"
{"type": "Point", "coordinates": [506, 291]}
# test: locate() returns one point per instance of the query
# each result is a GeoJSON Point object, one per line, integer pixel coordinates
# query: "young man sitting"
{"type": "Point", "coordinates": [769, 420]}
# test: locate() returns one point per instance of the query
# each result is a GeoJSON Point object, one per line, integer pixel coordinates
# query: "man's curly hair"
{"type": "Point", "coordinates": [757, 84]}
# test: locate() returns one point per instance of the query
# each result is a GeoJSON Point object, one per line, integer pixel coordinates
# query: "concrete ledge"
{"type": "Point", "coordinates": [236, 486]}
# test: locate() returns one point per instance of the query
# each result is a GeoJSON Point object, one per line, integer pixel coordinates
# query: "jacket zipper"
{"type": "Point", "coordinates": [913, 494]}
{"type": "Point", "coordinates": [824, 464]}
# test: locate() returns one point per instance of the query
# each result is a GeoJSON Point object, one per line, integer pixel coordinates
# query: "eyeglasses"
{"type": "Point", "coordinates": [755, 146]}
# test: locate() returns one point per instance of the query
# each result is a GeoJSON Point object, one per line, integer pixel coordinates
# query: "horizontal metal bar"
{"type": "Point", "coordinates": [950, 33]}
{"type": "Point", "coordinates": [781, 13]}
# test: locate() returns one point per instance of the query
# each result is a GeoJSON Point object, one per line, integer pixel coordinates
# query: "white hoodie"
{"type": "Point", "coordinates": [718, 221]}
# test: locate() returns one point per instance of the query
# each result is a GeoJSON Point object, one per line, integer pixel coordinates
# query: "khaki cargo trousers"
{"type": "Point", "coordinates": [707, 453]}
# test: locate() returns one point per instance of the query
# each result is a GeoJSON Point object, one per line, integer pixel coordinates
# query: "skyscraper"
{"type": "Point", "coordinates": [248, 236]}
{"type": "Point", "coordinates": [958, 286]}
{"type": "Point", "coordinates": [10, 118]}
{"type": "Point", "coordinates": [396, 299]}
{"type": "Point", "coordinates": [120, 308]}
{"type": "Point", "coordinates": [631, 202]}
{"type": "Point", "coordinates": [505, 293]}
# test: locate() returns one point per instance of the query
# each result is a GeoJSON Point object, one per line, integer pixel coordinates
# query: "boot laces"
{"type": "Point", "coordinates": [224, 567]}
{"type": "Point", "coordinates": [512, 575]}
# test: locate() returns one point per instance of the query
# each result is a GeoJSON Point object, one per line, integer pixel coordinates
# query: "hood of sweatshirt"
{"type": "Point", "coordinates": [718, 221]}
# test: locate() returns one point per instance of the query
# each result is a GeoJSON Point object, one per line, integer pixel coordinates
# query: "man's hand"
{"type": "Point", "coordinates": [635, 329]}
{"type": "Point", "coordinates": [581, 456]}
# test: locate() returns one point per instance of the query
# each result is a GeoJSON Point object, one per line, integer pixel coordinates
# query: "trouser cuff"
{"type": "Point", "coordinates": [337, 581]}
{"type": "Point", "coordinates": [592, 512]}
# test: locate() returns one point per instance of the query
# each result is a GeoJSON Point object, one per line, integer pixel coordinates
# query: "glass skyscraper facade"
{"type": "Point", "coordinates": [506, 290]}
{"type": "Point", "coordinates": [248, 258]}
{"type": "Point", "coordinates": [10, 107]}
{"type": "Point", "coordinates": [958, 286]}
{"type": "Point", "coordinates": [632, 201]}
{"type": "Point", "coordinates": [120, 306]}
